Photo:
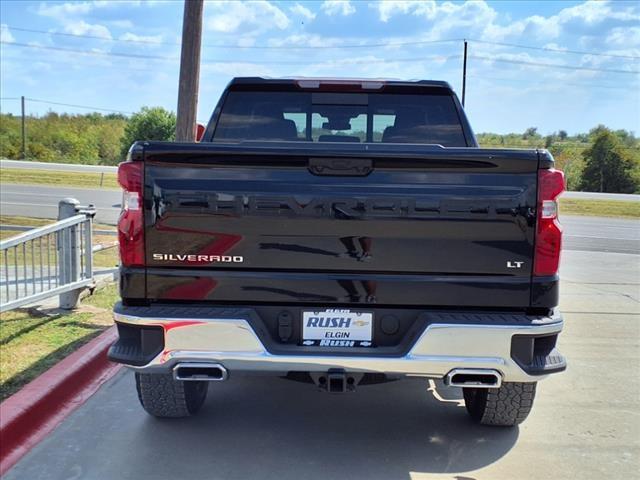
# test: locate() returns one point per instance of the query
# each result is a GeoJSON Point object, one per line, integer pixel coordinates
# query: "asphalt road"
{"type": "Point", "coordinates": [603, 196]}
{"type": "Point", "coordinates": [598, 234]}
{"type": "Point", "coordinates": [585, 424]}
{"type": "Point", "coordinates": [42, 201]}
{"type": "Point", "coordinates": [65, 167]}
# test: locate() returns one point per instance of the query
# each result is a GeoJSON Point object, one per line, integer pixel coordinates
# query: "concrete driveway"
{"type": "Point", "coordinates": [585, 424]}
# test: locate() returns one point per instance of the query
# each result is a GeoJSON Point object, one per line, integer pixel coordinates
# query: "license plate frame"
{"type": "Point", "coordinates": [331, 327]}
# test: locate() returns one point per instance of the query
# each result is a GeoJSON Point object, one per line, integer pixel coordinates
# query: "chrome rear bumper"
{"type": "Point", "coordinates": [439, 349]}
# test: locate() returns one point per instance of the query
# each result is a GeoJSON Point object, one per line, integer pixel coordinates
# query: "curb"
{"type": "Point", "coordinates": [30, 414]}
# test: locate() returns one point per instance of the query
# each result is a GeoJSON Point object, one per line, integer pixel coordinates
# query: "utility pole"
{"type": "Point", "coordinates": [189, 71]}
{"type": "Point", "coordinates": [24, 136]}
{"type": "Point", "coordinates": [464, 72]}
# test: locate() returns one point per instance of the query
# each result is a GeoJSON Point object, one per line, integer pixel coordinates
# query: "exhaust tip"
{"type": "Point", "coordinates": [477, 378]}
{"type": "Point", "coordinates": [208, 372]}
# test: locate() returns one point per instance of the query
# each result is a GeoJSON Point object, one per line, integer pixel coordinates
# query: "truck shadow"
{"type": "Point", "coordinates": [266, 428]}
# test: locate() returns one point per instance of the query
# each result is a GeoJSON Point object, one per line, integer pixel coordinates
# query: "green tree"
{"type": "Point", "coordinates": [150, 123]}
{"type": "Point", "coordinates": [569, 160]}
{"type": "Point", "coordinates": [90, 138]}
{"type": "Point", "coordinates": [562, 134]}
{"type": "Point", "coordinates": [548, 141]}
{"type": "Point", "coordinates": [627, 138]}
{"type": "Point", "coordinates": [596, 131]}
{"type": "Point", "coordinates": [608, 166]}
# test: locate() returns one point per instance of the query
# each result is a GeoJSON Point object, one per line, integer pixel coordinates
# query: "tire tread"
{"type": "Point", "coordinates": [508, 405]}
{"type": "Point", "coordinates": [162, 396]}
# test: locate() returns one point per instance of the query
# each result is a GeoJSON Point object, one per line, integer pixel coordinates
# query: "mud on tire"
{"type": "Point", "coordinates": [162, 396]}
{"type": "Point", "coordinates": [506, 406]}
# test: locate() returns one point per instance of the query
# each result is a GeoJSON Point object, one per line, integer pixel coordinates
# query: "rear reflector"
{"type": "Point", "coordinates": [549, 232]}
{"type": "Point", "coordinates": [130, 223]}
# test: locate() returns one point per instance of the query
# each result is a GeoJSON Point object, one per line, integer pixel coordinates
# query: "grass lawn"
{"type": "Point", "coordinates": [105, 258]}
{"type": "Point", "coordinates": [30, 344]}
{"type": "Point", "coordinates": [38, 222]}
{"type": "Point", "coordinates": [53, 178]}
{"type": "Point", "coordinates": [599, 208]}
{"type": "Point", "coordinates": [24, 221]}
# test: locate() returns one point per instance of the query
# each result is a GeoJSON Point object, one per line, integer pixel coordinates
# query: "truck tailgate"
{"type": "Point", "coordinates": [342, 225]}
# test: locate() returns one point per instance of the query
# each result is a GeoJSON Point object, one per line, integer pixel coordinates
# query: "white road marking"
{"type": "Point", "coordinates": [22, 192]}
{"type": "Point", "coordinates": [48, 205]}
{"type": "Point", "coordinates": [606, 238]}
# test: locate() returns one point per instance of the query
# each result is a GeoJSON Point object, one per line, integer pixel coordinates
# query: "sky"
{"type": "Point", "coordinates": [567, 65]}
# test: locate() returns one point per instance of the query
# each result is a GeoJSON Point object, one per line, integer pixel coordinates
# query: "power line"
{"type": "Point", "coordinates": [258, 47]}
{"type": "Point", "coordinates": [89, 52]}
{"type": "Point", "coordinates": [77, 106]}
{"type": "Point", "coordinates": [256, 62]}
{"type": "Point", "coordinates": [554, 65]}
{"type": "Point", "coordinates": [94, 62]}
{"type": "Point", "coordinates": [327, 47]}
{"type": "Point", "coordinates": [557, 50]}
{"type": "Point", "coordinates": [288, 62]}
{"type": "Point", "coordinates": [515, 80]}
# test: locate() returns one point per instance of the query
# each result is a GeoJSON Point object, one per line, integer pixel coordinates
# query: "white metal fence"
{"type": "Point", "coordinates": [55, 259]}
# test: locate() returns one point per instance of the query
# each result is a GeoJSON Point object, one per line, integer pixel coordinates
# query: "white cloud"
{"type": "Point", "coordinates": [70, 15]}
{"type": "Point", "coordinates": [83, 28]}
{"type": "Point", "coordinates": [302, 11]}
{"type": "Point", "coordinates": [479, 19]}
{"type": "Point", "coordinates": [306, 40]}
{"type": "Point", "coordinates": [238, 69]}
{"type": "Point", "coordinates": [337, 7]}
{"type": "Point", "coordinates": [62, 11]}
{"type": "Point", "coordinates": [5, 34]}
{"type": "Point", "coordinates": [389, 8]}
{"type": "Point", "coordinates": [467, 19]}
{"type": "Point", "coordinates": [74, 17]}
{"type": "Point", "coordinates": [121, 23]}
{"type": "Point", "coordinates": [579, 18]}
{"type": "Point", "coordinates": [593, 12]}
{"type": "Point", "coordinates": [624, 37]}
{"type": "Point", "coordinates": [554, 46]}
{"type": "Point", "coordinates": [534, 27]}
{"type": "Point", "coordinates": [132, 37]}
{"type": "Point", "coordinates": [253, 17]}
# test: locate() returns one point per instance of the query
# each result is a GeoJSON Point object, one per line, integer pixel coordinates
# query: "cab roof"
{"type": "Point", "coordinates": [305, 83]}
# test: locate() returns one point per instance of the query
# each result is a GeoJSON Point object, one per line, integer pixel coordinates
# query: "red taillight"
{"type": "Point", "coordinates": [200, 129]}
{"type": "Point", "coordinates": [130, 223]}
{"type": "Point", "coordinates": [549, 233]}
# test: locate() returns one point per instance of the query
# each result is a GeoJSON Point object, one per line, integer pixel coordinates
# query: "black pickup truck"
{"type": "Point", "coordinates": [341, 233]}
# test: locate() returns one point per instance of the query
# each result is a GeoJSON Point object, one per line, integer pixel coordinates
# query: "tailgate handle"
{"type": "Point", "coordinates": [347, 167]}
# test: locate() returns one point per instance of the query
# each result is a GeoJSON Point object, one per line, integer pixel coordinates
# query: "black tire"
{"type": "Point", "coordinates": [162, 396]}
{"type": "Point", "coordinates": [506, 406]}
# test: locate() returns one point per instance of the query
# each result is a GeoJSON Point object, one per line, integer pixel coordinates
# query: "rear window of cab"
{"type": "Point", "coordinates": [340, 117]}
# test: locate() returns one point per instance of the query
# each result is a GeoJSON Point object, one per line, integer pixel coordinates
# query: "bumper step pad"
{"type": "Point", "coordinates": [553, 362]}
